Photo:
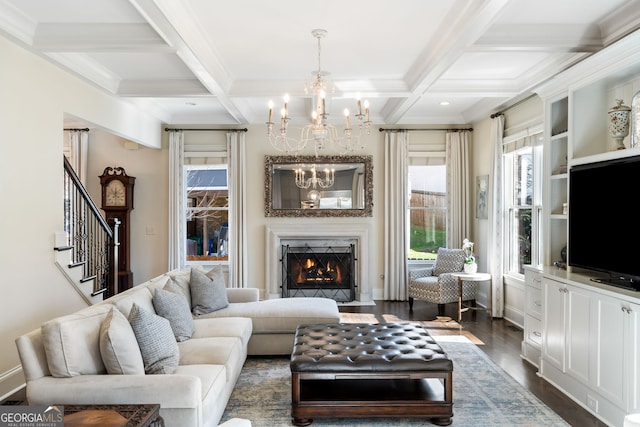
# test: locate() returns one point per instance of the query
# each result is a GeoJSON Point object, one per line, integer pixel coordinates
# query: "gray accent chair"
{"type": "Point", "coordinates": [435, 284]}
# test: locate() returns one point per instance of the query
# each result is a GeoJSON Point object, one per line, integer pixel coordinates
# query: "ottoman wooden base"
{"type": "Point", "coordinates": [362, 371]}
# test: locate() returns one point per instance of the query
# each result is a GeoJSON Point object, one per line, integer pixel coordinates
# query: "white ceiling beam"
{"type": "Point", "coordinates": [172, 21]}
{"type": "Point", "coordinates": [466, 24]}
{"type": "Point", "coordinates": [624, 20]}
{"type": "Point", "coordinates": [87, 69]}
{"type": "Point", "coordinates": [295, 88]}
{"type": "Point", "coordinates": [99, 38]}
{"type": "Point", "coordinates": [540, 38]}
{"type": "Point", "coordinates": [16, 24]}
{"type": "Point", "coordinates": [162, 88]}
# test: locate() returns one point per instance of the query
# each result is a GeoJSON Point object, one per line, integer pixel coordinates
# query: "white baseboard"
{"type": "Point", "coordinates": [11, 381]}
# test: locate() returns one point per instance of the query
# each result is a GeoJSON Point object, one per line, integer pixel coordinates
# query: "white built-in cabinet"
{"type": "Point", "coordinates": [589, 343]}
{"type": "Point", "coordinates": [532, 342]}
{"type": "Point", "coordinates": [566, 337]}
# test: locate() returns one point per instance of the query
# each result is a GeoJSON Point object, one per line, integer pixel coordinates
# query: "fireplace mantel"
{"type": "Point", "coordinates": [275, 234]}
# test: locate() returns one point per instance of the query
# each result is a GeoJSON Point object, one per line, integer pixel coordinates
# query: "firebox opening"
{"type": "Point", "coordinates": [319, 272]}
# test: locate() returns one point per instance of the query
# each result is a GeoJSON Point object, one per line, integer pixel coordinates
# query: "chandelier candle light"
{"type": "Point", "coordinates": [320, 131]}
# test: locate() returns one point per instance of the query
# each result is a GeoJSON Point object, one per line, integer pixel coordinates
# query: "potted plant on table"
{"type": "Point", "coordinates": [470, 266]}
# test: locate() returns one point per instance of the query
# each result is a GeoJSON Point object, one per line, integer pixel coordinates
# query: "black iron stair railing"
{"type": "Point", "coordinates": [89, 236]}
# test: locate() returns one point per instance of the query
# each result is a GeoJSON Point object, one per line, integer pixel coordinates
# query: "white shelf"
{"type": "Point", "coordinates": [558, 136]}
{"type": "Point", "coordinates": [609, 155]}
{"type": "Point", "coordinates": [558, 216]}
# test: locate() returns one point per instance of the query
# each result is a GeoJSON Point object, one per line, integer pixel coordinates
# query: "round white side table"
{"type": "Point", "coordinates": [465, 277]}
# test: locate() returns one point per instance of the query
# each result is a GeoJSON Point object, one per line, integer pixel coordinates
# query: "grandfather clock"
{"type": "Point", "coordinates": [117, 202]}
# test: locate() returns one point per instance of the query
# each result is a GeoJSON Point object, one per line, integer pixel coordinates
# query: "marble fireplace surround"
{"type": "Point", "coordinates": [276, 234]}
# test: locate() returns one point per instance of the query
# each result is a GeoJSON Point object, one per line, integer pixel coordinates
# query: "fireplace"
{"type": "Point", "coordinates": [328, 235]}
{"type": "Point", "coordinates": [321, 271]}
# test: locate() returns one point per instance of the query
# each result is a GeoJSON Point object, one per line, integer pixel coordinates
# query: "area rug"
{"type": "Point", "coordinates": [483, 395]}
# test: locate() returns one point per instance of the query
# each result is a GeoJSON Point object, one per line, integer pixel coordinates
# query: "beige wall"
{"type": "Point", "coordinates": [35, 98]}
{"type": "Point", "coordinates": [149, 238]}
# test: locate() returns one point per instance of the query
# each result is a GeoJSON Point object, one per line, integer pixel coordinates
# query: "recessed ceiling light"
{"type": "Point", "coordinates": [444, 103]}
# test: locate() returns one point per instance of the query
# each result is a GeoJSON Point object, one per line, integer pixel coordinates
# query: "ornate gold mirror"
{"type": "Point", "coordinates": [329, 186]}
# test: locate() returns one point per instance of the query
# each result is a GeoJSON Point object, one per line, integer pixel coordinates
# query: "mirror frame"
{"type": "Point", "coordinates": [270, 161]}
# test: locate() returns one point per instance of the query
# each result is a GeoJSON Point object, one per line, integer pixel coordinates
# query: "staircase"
{"type": "Point", "coordinates": [87, 248]}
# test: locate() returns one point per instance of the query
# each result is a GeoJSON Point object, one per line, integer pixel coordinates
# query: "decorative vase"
{"type": "Point", "coordinates": [471, 268]}
{"type": "Point", "coordinates": [619, 124]}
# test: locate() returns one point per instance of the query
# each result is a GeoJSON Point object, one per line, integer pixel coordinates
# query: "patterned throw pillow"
{"type": "Point", "coordinates": [208, 291]}
{"type": "Point", "coordinates": [158, 346]}
{"type": "Point", "coordinates": [173, 306]}
{"type": "Point", "coordinates": [119, 347]}
{"type": "Point", "coordinates": [448, 261]}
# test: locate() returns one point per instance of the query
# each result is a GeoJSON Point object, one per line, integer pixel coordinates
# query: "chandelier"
{"type": "Point", "coordinates": [314, 181]}
{"type": "Point", "coordinates": [320, 132]}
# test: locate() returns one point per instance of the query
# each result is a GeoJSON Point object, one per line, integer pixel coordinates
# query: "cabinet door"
{"type": "Point", "coordinates": [553, 320]}
{"type": "Point", "coordinates": [578, 332]}
{"type": "Point", "coordinates": [633, 360]}
{"type": "Point", "coordinates": [610, 341]}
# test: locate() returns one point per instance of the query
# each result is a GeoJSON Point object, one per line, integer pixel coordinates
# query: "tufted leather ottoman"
{"type": "Point", "coordinates": [369, 370]}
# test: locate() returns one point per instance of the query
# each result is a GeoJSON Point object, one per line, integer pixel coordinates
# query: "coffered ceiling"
{"type": "Point", "coordinates": [213, 62]}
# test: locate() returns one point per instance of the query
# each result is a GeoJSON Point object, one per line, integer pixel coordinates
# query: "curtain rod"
{"type": "Point", "coordinates": [206, 130]}
{"type": "Point", "coordinates": [427, 130]}
{"type": "Point", "coordinates": [500, 113]}
{"type": "Point", "coordinates": [77, 129]}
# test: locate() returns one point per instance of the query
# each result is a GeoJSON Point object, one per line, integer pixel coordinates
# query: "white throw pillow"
{"type": "Point", "coordinates": [158, 346]}
{"type": "Point", "coordinates": [208, 291]}
{"type": "Point", "coordinates": [119, 347]}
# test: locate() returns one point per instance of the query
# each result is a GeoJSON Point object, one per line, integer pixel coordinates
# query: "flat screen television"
{"type": "Point", "coordinates": [604, 226]}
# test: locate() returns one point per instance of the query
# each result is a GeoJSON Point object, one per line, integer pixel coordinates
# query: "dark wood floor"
{"type": "Point", "coordinates": [502, 341]}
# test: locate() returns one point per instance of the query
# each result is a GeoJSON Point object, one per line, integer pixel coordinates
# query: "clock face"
{"type": "Point", "coordinates": [115, 193]}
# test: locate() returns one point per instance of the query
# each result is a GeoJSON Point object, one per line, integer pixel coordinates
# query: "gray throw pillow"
{"type": "Point", "coordinates": [158, 346]}
{"type": "Point", "coordinates": [208, 291]}
{"type": "Point", "coordinates": [173, 306]}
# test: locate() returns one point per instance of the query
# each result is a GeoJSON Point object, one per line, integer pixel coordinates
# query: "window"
{"type": "Point", "coordinates": [523, 208]}
{"type": "Point", "coordinates": [427, 211]}
{"type": "Point", "coordinates": [207, 212]}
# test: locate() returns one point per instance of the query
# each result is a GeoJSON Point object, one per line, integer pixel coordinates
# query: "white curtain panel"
{"type": "Point", "coordinates": [495, 246]}
{"type": "Point", "coordinates": [177, 237]}
{"type": "Point", "coordinates": [78, 145]}
{"type": "Point", "coordinates": [458, 188]}
{"type": "Point", "coordinates": [237, 210]}
{"type": "Point", "coordinates": [396, 191]}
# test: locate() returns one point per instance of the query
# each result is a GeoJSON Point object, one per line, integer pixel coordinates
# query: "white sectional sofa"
{"type": "Point", "coordinates": [90, 357]}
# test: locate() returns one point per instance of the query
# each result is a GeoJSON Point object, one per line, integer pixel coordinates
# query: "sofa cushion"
{"type": "Point", "coordinates": [72, 342]}
{"type": "Point", "coordinates": [208, 291]}
{"type": "Point", "coordinates": [227, 351]}
{"type": "Point", "coordinates": [119, 347]}
{"type": "Point", "coordinates": [139, 295]}
{"type": "Point", "coordinates": [282, 315]}
{"type": "Point", "coordinates": [157, 343]}
{"type": "Point", "coordinates": [175, 308]}
{"type": "Point", "coordinates": [240, 327]}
